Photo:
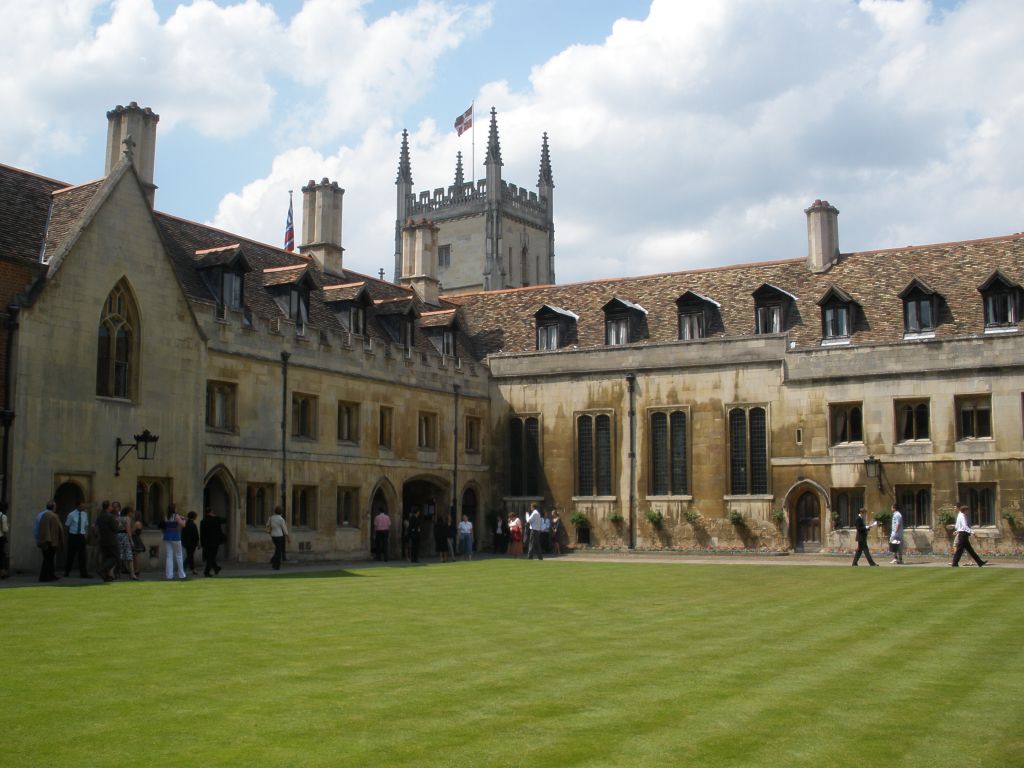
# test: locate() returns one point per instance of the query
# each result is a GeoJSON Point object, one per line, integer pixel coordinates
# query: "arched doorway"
{"type": "Point", "coordinates": [218, 498]}
{"type": "Point", "coordinates": [378, 505]}
{"type": "Point", "coordinates": [807, 523]}
{"type": "Point", "coordinates": [68, 496]}
{"type": "Point", "coordinates": [430, 496]}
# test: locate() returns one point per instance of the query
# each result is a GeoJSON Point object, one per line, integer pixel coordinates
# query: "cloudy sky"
{"type": "Point", "coordinates": [682, 134]}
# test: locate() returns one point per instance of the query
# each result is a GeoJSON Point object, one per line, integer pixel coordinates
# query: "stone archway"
{"type": "Point", "coordinates": [219, 496]}
{"type": "Point", "coordinates": [430, 495]}
{"type": "Point", "coordinates": [68, 496]}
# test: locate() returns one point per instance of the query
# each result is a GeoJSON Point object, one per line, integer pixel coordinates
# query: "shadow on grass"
{"type": "Point", "coordinates": [342, 574]}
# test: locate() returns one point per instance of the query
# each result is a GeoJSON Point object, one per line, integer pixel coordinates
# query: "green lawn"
{"type": "Point", "coordinates": [510, 663]}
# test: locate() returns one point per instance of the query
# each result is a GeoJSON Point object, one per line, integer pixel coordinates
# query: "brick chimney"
{"type": "Point", "coordinates": [321, 224]}
{"type": "Point", "coordinates": [822, 236]}
{"type": "Point", "coordinates": [419, 260]}
{"type": "Point", "coordinates": [131, 130]}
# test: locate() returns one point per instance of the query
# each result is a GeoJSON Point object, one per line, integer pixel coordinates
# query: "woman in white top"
{"type": "Point", "coordinates": [466, 537]}
{"type": "Point", "coordinates": [277, 527]}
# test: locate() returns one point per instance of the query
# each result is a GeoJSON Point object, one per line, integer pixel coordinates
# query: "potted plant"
{"type": "Point", "coordinates": [616, 518]}
{"type": "Point", "coordinates": [579, 520]}
{"type": "Point", "coordinates": [736, 518]}
{"type": "Point", "coordinates": [692, 516]}
{"type": "Point", "coordinates": [779, 516]}
{"type": "Point", "coordinates": [946, 518]}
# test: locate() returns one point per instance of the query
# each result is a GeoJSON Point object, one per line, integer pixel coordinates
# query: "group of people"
{"type": "Point", "coordinates": [540, 534]}
{"type": "Point", "coordinates": [962, 532]}
{"type": "Point", "coordinates": [117, 533]}
{"type": "Point", "coordinates": [449, 538]}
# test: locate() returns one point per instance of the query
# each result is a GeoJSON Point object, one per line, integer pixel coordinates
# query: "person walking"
{"type": "Point", "coordinates": [211, 536]}
{"type": "Point", "coordinates": [896, 535]}
{"type": "Point", "coordinates": [466, 538]}
{"type": "Point", "coordinates": [414, 535]}
{"type": "Point", "coordinates": [381, 534]}
{"type": "Point", "coordinates": [125, 552]}
{"type": "Point", "coordinates": [500, 533]}
{"type": "Point", "coordinates": [51, 539]}
{"type": "Point", "coordinates": [190, 541]}
{"type": "Point", "coordinates": [173, 559]}
{"type": "Point", "coordinates": [963, 533]}
{"type": "Point", "coordinates": [277, 527]}
{"type": "Point", "coordinates": [77, 524]}
{"type": "Point", "coordinates": [441, 536]}
{"type": "Point", "coordinates": [535, 522]}
{"type": "Point", "coordinates": [106, 528]}
{"type": "Point", "coordinates": [556, 533]}
{"type": "Point", "coordinates": [862, 538]}
{"type": "Point", "coordinates": [5, 530]}
{"type": "Point", "coordinates": [515, 535]}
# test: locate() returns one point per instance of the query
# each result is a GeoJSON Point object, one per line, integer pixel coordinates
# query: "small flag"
{"type": "Point", "coordinates": [289, 227]}
{"type": "Point", "coordinates": [464, 121]}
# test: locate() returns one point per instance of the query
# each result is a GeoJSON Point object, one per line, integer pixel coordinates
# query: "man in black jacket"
{"type": "Point", "coordinates": [862, 538]}
{"type": "Point", "coordinates": [211, 536]}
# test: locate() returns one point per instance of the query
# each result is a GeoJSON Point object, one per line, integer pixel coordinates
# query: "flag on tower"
{"type": "Point", "coordinates": [289, 227]}
{"type": "Point", "coordinates": [464, 121]}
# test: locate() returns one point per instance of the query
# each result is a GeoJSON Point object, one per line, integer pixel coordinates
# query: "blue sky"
{"type": "Point", "coordinates": [682, 134]}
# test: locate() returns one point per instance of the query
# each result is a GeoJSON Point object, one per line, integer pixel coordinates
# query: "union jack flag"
{"type": "Point", "coordinates": [289, 228]}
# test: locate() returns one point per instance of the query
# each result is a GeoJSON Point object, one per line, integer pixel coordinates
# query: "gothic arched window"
{"type": "Point", "coordinates": [116, 345]}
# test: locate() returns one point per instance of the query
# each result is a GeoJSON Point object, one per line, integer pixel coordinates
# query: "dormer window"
{"type": "Point", "coordinates": [555, 326]}
{"type": "Point", "coordinates": [223, 270]}
{"type": "Point", "coordinates": [837, 314]}
{"type": "Point", "coordinates": [405, 332]}
{"type": "Point", "coordinates": [1001, 297]}
{"type": "Point", "coordinates": [448, 342]}
{"type": "Point", "coordinates": [231, 288]}
{"type": "Point", "coordinates": [291, 287]}
{"type": "Point", "coordinates": [298, 305]}
{"type": "Point", "coordinates": [920, 308]}
{"type": "Point", "coordinates": [771, 309]}
{"type": "Point", "coordinates": [624, 322]}
{"type": "Point", "coordinates": [357, 319]}
{"type": "Point", "coordinates": [695, 313]}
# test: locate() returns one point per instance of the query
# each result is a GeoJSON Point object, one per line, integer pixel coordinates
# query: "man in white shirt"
{"type": "Point", "coordinates": [77, 523]}
{"type": "Point", "coordinates": [381, 532]}
{"type": "Point", "coordinates": [963, 539]}
{"type": "Point", "coordinates": [896, 536]}
{"type": "Point", "coordinates": [277, 527]}
{"type": "Point", "coordinates": [536, 525]}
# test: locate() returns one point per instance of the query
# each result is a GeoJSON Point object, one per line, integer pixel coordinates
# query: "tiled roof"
{"type": "Point", "coordinates": [24, 209]}
{"type": "Point", "coordinates": [68, 206]}
{"type": "Point", "coordinates": [346, 292]}
{"type": "Point", "coordinates": [503, 321]}
{"type": "Point", "coordinates": [275, 276]}
{"type": "Point", "coordinates": [437, 319]}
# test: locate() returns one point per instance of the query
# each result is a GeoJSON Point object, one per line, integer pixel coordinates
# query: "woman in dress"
{"type": "Point", "coordinates": [124, 540]}
{"type": "Point", "coordinates": [515, 536]}
{"type": "Point", "coordinates": [556, 533]}
{"type": "Point", "coordinates": [138, 545]}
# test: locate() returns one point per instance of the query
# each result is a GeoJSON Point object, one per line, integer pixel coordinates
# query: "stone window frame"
{"type": "Point", "coordinates": [748, 454]}
{"type": "Point", "coordinates": [971, 424]}
{"type": "Point", "coordinates": [304, 416]}
{"type": "Point", "coordinates": [909, 417]}
{"type": "Point", "coordinates": [346, 511]}
{"type": "Point", "coordinates": [846, 502]}
{"type": "Point", "coordinates": [221, 406]}
{"type": "Point", "coordinates": [304, 506]}
{"type": "Point", "coordinates": [595, 449]}
{"type": "Point", "coordinates": [677, 468]}
{"type": "Point", "coordinates": [348, 422]}
{"type": "Point", "coordinates": [846, 423]}
{"type": "Point", "coordinates": [914, 501]}
{"type": "Point", "coordinates": [524, 455]}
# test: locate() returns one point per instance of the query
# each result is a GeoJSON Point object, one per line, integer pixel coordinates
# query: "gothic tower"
{"type": "Point", "coordinates": [491, 234]}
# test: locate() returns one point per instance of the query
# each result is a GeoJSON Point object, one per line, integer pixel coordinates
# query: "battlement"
{"type": "Point", "coordinates": [459, 199]}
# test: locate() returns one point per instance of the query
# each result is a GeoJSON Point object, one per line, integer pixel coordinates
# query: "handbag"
{"type": "Point", "coordinates": [267, 527]}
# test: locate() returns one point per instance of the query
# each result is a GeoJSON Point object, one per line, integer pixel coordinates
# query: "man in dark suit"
{"type": "Point", "coordinates": [414, 535]}
{"type": "Point", "coordinates": [211, 536]}
{"type": "Point", "coordinates": [862, 538]}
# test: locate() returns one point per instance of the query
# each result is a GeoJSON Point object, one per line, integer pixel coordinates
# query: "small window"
{"type": "Point", "coordinates": [117, 345]}
{"type": "Point", "coordinates": [845, 504]}
{"type": "Point", "coordinates": [220, 406]}
{"type": "Point", "coordinates": [345, 513]}
{"type": "Point", "coordinates": [427, 431]}
{"type": "Point", "coordinates": [304, 416]}
{"type": "Point", "coordinates": [357, 319]}
{"type": "Point", "coordinates": [448, 342]}
{"type": "Point", "coordinates": [691, 326]}
{"type": "Point", "coordinates": [304, 506]}
{"type": "Point", "coordinates": [1001, 297]}
{"type": "Point", "coordinates": [444, 255]}
{"type": "Point", "coordinates": [547, 337]}
{"type": "Point", "coordinates": [847, 423]}
{"type": "Point", "coordinates": [974, 417]}
{"type": "Point", "coordinates": [259, 500]}
{"type": "Point", "coordinates": [769, 319]}
{"type": "Point", "coordinates": [405, 332]}
{"type": "Point", "coordinates": [524, 456]}
{"type": "Point", "coordinates": [980, 499]}
{"type": "Point", "coordinates": [348, 422]}
{"type": "Point", "coordinates": [473, 424]}
{"type": "Point", "coordinates": [616, 330]}
{"type": "Point", "coordinates": [912, 421]}
{"type": "Point", "coordinates": [298, 306]}
{"type": "Point", "coordinates": [152, 495]}
{"type": "Point", "coordinates": [915, 504]}
{"type": "Point", "coordinates": [835, 321]}
{"type": "Point", "coordinates": [384, 424]}
{"type": "Point", "coordinates": [920, 308]}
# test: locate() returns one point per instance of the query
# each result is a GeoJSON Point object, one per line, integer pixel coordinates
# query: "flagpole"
{"type": "Point", "coordinates": [472, 111]}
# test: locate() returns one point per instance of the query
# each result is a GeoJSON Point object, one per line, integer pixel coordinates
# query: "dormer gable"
{"type": "Point", "coordinates": [223, 270]}
{"type": "Point", "coordinates": [397, 317]}
{"type": "Point", "coordinates": [920, 309]}
{"type": "Point", "coordinates": [556, 327]}
{"type": "Point", "coordinates": [349, 303]}
{"type": "Point", "coordinates": [839, 313]}
{"type": "Point", "coordinates": [696, 316]}
{"type": "Point", "coordinates": [1001, 302]}
{"type": "Point", "coordinates": [624, 322]}
{"type": "Point", "coordinates": [440, 327]}
{"type": "Point", "coordinates": [774, 309]}
{"type": "Point", "coordinates": [290, 286]}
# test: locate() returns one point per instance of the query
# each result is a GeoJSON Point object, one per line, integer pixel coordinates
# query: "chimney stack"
{"type": "Point", "coordinates": [131, 130]}
{"type": "Point", "coordinates": [822, 236]}
{"type": "Point", "coordinates": [321, 224]}
{"type": "Point", "coordinates": [419, 260]}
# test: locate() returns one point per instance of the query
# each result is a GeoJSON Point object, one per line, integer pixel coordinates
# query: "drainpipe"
{"type": "Point", "coordinates": [455, 459]}
{"type": "Point", "coordinates": [284, 432]}
{"type": "Point", "coordinates": [7, 414]}
{"type": "Point", "coordinates": [631, 383]}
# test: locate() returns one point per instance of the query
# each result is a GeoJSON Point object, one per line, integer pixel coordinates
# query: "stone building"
{"type": "Point", "coordinates": [751, 406]}
{"type": "Point", "coordinates": [269, 377]}
{"type": "Point", "coordinates": [761, 405]}
{"type": "Point", "coordinates": [491, 235]}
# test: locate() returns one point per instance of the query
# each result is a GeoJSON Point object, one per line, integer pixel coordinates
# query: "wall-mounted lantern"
{"type": "Point", "coordinates": [144, 447]}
